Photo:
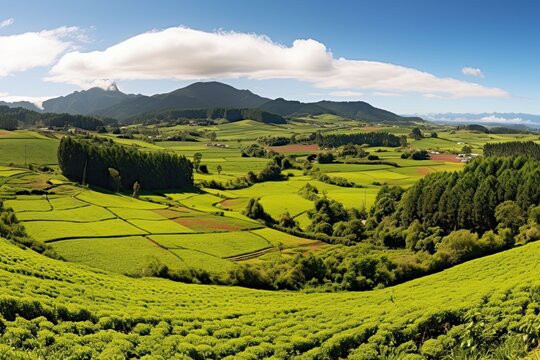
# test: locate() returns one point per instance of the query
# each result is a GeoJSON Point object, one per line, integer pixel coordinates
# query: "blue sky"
{"type": "Point", "coordinates": [404, 56]}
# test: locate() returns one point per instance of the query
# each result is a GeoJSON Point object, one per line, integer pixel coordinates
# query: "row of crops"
{"type": "Point", "coordinates": [51, 309]}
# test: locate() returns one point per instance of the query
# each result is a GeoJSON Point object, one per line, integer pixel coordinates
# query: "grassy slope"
{"type": "Point", "coordinates": [220, 321]}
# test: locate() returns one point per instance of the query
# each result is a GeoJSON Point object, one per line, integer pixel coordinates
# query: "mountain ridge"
{"type": "Point", "coordinates": [112, 103]}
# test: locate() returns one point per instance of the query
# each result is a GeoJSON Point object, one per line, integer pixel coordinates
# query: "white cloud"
{"type": "Point", "coordinates": [36, 100]}
{"type": "Point", "coordinates": [387, 94]}
{"type": "Point", "coordinates": [7, 22]}
{"type": "Point", "coordinates": [476, 72]}
{"type": "Point", "coordinates": [33, 49]}
{"type": "Point", "coordinates": [187, 54]}
{"type": "Point", "coordinates": [502, 120]}
{"type": "Point", "coordinates": [346, 93]}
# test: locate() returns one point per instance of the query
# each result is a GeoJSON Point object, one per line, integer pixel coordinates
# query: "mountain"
{"type": "Point", "coordinates": [112, 103]}
{"type": "Point", "coordinates": [357, 110]}
{"type": "Point", "coordinates": [21, 104]}
{"type": "Point", "coordinates": [293, 108]}
{"type": "Point", "coordinates": [515, 120]}
{"type": "Point", "coordinates": [361, 110]}
{"type": "Point", "coordinates": [86, 102]}
{"type": "Point", "coordinates": [200, 95]}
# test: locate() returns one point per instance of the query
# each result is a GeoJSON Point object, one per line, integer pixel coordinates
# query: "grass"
{"type": "Point", "coordinates": [125, 255]}
{"type": "Point", "coordinates": [276, 238]}
{"type": "Point", "coordinates": [160, 226]}
{"type": "Point", "coordinates": [28, 204]}
{"type": "Point", "coordinates": [115, 200]}
{"type": "Point", "coordinates": [222, 245]}
{"type": "Point", "coordinates": [81, 214]}
{"type": "Point", "coordinates": [294, 324]}
{"type": "Point", "coordinates": [28, 150]}
{"type": "Point", "coordinates": [136, 214]}
{"type": "Point", "coordinates": [54, 230]}
{"type": "Point", "coordinates": [197, 260]}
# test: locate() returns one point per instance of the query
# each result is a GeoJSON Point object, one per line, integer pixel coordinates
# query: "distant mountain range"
{"type": "Point", "coordinates": [112, 103]}
{"type": "Point", "coordinates": [514, 120]}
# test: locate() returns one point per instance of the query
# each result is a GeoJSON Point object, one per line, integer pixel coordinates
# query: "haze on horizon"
{"type": "Point", "coordinates": [412, 58]}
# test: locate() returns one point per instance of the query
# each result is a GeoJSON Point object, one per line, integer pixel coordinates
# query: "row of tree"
{"type": "Point", "coordinates": [8, 123]}
{"type": "Point", "coordinates": [513, 148]}
{"type": "Point", "coordinates": [369, 138]}
{"type": "Point", "coordinates": [103, 163]}
{"type": "Point", "coordinates": [230, 114]}
{"type": "Point", "coordinates": [11, 117]}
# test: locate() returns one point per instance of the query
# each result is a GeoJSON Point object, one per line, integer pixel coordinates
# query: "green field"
{"type": "Point", "coordinates": [242, 323]}
{"type": "Point", "coordinates": [212, 216]}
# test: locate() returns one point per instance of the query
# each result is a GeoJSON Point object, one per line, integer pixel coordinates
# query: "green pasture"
{"type": "Point", "coordinates": [28, 150]}
{"type": "Point", "coordinates": [222, 245]}
{"type": "Point", "coordinates": [58, 229]}
{"type": "Point", "coordinates": [125, 255]}
{"type": "Point", "coordinates": [115, 200]}
{"type": "Point", "coordinates": [89, 213]}
{"type": "Point", "coordinates": [164, 226]}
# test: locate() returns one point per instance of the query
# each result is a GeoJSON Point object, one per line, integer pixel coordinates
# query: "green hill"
{"type": "Point", "coordinates": [54, 309]}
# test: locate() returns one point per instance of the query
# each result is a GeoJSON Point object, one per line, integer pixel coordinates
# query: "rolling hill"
{"type": "Point", "coordinates": [53, 309]}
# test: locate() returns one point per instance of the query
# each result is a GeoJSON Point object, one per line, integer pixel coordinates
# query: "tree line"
{"type": "Point", "coordinates": [11, 117]}
{"type": "Point", "coordinates": [468, 199]}
{"type": "Point", "coordinates": [103, 163]}
{"type": "Point", "coordinates": [513, 148]}
{"type": "Point", "coordinates": [230, 114]}
{"type": "Point", "coordinates": [369, 138]}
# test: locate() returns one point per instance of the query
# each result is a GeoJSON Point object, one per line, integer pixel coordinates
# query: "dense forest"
{"type": "Point", "coordinates": [511, 148]}
{"type": "Point", "coordinates": [230, 114]}
{"type": "Point", "coordinates": [10, 118]}
{"type": "Point", "coordinates": [369, 138]}
{"type": "Point", "coordinates": [103, 163]}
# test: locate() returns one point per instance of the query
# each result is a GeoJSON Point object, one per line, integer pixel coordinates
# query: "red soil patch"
{"type": "Point", "coordinates": [172, 213]}
{"type": "Point", "coordinates": [4, 133]}
{"type": "Point", "coordinates": [423, 171]}
{"type": "Point", "coordinates": [232, 203]}
{"type": "Point", "coordinates": [206, 224]}
{"type": "Point", "coordinates": [445, 157]}
{"type": "Point", "coordinates": [295, 148]}
{"type": "Point", "coordinates": [371, 128]}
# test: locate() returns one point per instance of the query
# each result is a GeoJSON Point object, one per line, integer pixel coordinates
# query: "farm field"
{"type": "Point", "coordinates": [78, 222]}
{"type": "Point", "coordinates": [288, 324]}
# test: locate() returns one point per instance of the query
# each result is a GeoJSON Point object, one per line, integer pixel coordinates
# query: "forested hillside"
{"type": "Point", "coordinates": [10, 118]}
{"type": "Point", "coordinates": [105, 164]}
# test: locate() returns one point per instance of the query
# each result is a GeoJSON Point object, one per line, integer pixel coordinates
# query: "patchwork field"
{"type": "Point", "coordinates": [203, 229]}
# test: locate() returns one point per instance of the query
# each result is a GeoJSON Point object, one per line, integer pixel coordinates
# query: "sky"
{"type": "Point", "coordinates": [409, 57]}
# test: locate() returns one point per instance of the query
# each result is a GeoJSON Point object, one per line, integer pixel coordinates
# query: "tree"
{"type": "Point", "coordinates": [287, 221]}
{"type": "Point", "coordinates": [434, 134]}
{"type": "Point", "coordinates": [510, 215]}
{"type": "Point", "coordinates": [116, 179]}
{"type": "Point", "coordinates": [219, 169]}
{"type": "Point", "coordinates": [416, 134]}
{"type": "Point", "coordinates": [466, 149]}
{"type": "Point", "coordinates": [197, 157]}
{"type": "Point", "coordinates": [136, 189]}
{"type": "Point", "coordinates": [212, 136]}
